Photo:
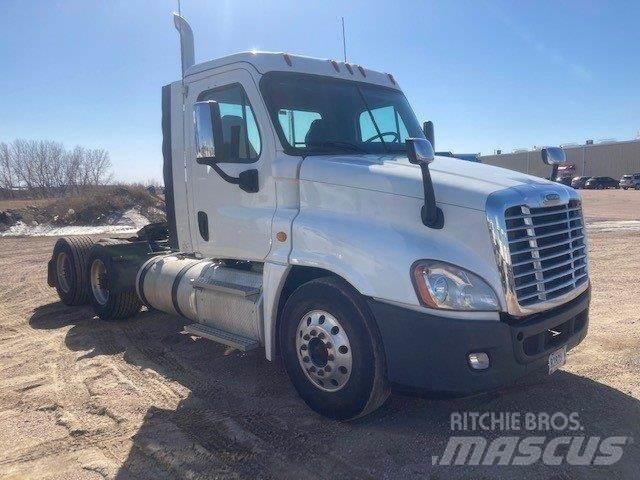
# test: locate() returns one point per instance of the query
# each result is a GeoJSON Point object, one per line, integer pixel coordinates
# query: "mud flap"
{"type": "Point", "coordinates": [127, 259]}
{"type": "Point", "coordinates": [51, 273]}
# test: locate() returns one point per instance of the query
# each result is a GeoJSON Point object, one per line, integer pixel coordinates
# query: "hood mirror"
{"type": "Point", "coordinates": [420, 152]}
{"type": "Point", "coordinates": [555, 157]}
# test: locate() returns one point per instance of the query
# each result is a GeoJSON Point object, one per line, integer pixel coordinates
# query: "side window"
{"type": "Point", "coordinates": [389, 122]}
{"type": "Point", "coordinates": [236, 114]}
{"type": "Point", "coordinates": [296, 125]}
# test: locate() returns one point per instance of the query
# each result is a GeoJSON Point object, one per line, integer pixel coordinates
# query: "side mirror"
{"type": "Point", "coordinates": [210, 145]}
{"type": "Point", "coordinates": [427, 129]}
{"type": "Point", "coordinates": [555, 157]}
{"type": "Point", "coordinates": [208, 132]}
{"type": "Point", "coordinates": [420, 152]}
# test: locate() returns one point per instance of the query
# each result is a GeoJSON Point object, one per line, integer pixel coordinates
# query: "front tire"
{"type": "Point", "coordinates": [332, 350]}
{"type": "Point", "coordinates": [108, 304]}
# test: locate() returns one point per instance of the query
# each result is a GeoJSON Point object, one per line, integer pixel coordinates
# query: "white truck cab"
{"type": "Point", "coordinates": [308, 215]}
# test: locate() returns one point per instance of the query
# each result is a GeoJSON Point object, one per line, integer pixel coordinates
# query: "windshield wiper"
{"type": "Point", "coordinates": [339, 144]}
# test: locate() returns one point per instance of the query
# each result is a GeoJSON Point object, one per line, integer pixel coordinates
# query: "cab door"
{"type": "Point", "coordinates": [228, 222]}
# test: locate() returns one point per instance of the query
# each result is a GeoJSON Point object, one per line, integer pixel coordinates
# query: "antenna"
{"type": "Point", "coordinates": [179, 11]}
{"type": "Point", "coordinates": [344, 42]}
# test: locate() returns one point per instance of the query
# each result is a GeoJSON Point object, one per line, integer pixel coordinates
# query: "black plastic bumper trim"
{"type": "Point", "coordinates": [428, 353]}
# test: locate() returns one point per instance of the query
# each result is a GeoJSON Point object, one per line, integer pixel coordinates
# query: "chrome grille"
{"type": "Point", "coordinates": [547, 249]}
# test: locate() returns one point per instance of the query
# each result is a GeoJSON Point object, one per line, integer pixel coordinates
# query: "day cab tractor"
{"type": "Point", "coordinates": [308, 216]}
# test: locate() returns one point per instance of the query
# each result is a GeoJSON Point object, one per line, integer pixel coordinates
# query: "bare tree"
{"type": "Point", "coordinates": [8, 179]}
{"type": "Point", "coordinates": [23, 157]}
{"type": "Point", "coordinates": [98, 166]}
{"type": "Point", "coordinates": [44, 167]}
{"type": "Point", "coordinates": [74, 168]}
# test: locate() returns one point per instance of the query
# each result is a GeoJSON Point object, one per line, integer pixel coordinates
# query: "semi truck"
{"type": "Point", "coordinates": [308, 216]}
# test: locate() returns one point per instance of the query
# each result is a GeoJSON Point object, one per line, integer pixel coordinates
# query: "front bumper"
{"type": "Point", "coordinates": [428, 353]}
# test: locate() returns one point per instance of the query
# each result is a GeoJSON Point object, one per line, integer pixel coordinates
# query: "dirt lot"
{"type": "Point", "coordinates": [83, 398]}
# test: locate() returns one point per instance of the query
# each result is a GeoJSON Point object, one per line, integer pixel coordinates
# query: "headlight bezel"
{"type": "Point", "coordinates": [426, 296]}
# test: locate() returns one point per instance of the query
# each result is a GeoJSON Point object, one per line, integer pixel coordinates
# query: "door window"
{"type": "Point", "coordinates": [236, 113]}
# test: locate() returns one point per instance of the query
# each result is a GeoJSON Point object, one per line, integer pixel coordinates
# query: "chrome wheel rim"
{"type": "Point", "coordinates": [63, 271]}
{"type": "Point", "coordinates": [324, 351]}
{"type": "Point", "coordinates": [98, 282]}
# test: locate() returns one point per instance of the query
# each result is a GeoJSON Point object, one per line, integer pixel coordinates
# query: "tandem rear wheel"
{"type": "Point", "coordinates": [109, 302]}
{"type": "Point", "coordinates": [69, 265]}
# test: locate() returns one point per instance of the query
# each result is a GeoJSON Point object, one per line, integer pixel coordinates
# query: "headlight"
{"type": "Point", "coordinates": [445, 286]}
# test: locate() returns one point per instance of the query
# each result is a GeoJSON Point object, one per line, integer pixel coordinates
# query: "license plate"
{"type": "Point", "coordinates": [557, 359]}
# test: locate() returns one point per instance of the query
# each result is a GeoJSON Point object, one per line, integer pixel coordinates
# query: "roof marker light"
{"type": "Point", "coordinates": [349, 68]}
{"type": "Point", "coordinates": [335, 66]}
{"type": "Point", "coordinates": [361, 70]}
{"type": "Point", "coordinates": [391, 78]}
{"type": "Point", "coordinates": [287, 58]}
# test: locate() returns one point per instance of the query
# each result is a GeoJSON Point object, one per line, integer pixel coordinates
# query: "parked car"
{"type": "Point", "coordinates": [578, 182]}
{"type": "Point", "coordinates": [630, 181]}
{"type": "Point", "coordinates": [600, 183]}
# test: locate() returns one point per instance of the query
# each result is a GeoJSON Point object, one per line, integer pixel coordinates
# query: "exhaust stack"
{"type": "Point", "coordinates": [186, 42]}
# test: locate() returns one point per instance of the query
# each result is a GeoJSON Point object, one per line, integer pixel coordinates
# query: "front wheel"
{"type": "Point", "coordinates": [332, 350]}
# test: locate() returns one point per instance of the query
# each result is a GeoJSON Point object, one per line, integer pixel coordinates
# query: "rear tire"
{"type": "Point", "coordinates": [107, 304]}
{"type": "Point", "coordinates": [332, 350]}
{"type": "Point", "coordinates": [70, 257]}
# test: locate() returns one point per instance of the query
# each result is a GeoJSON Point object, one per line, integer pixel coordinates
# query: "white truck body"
{"type": "Point", "coordinates": [353, 215]}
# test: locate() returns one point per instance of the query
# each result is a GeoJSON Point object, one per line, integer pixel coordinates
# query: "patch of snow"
{"type": "Point", "coordinates": [614, 226]}
{"type": "Point", "coordinates": [130, 222]}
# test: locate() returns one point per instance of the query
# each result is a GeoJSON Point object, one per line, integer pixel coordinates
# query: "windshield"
{"type": "Point", "coordinates": [323, 115]}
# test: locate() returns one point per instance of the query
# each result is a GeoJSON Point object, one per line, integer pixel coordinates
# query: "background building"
{"type": "Point", "coordinates": [602, 159]}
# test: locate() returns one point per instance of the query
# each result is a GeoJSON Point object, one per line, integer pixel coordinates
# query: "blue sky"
{"type": "Point", "coordinates": [490, 74]}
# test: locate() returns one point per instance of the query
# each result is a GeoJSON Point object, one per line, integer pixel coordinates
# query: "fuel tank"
{"type": "Point", "coordinates": [205, 291]}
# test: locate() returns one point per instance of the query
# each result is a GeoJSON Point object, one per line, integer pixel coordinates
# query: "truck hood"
{"type": "Point", "coordinates": [456, 182]}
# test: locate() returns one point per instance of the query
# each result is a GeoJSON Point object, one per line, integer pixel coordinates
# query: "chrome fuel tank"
{"type": "Point", "coordinates": [205, 291]}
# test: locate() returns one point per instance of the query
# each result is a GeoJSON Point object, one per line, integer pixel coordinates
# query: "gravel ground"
{"type": "Point", "coordinates": [82, 398]}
